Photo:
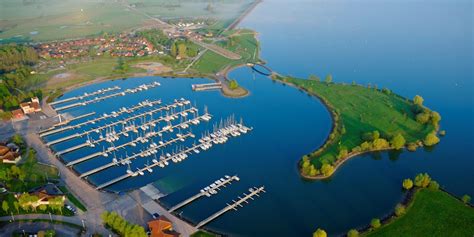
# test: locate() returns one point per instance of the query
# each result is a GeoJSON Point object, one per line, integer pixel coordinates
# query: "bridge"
{"type": "Point", "coordinates": [233, 206]}
{"type": "Point", "coordinates": [216, 49]}
{"type": "Point", "coordinates": [256, 67]}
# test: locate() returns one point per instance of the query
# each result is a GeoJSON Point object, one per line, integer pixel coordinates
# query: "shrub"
{"type": "Point", "coordinates": [466, 199]}
{"type": "Point", "coordinates": [423, 117]}
{"type": "Point", "coordinates": [412, 146]}
{"type": "Point", "coordinates": [398, 141]}
{"type": "Point", "coordinates": [407, 184]}
{"type": "Point", "coordinates": [380, 143]}
{"type": "Point", "coordinates": [418, 100]}
{"type": "Point", "coordinates": [233, 84]}
{"type": "Point", "coordinates": [327, 169]}
{"type": "Point", "coordinates": [375, 223]}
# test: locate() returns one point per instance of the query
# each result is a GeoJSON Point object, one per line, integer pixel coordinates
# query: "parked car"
{"type": "Point", "coordinates": [155, 215]}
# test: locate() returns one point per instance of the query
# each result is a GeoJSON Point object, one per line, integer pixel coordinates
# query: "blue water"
{"type": "Point", "coordinates": [412, 47]}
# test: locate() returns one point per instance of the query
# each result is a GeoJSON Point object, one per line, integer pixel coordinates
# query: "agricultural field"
{"type": "Point", "coordinates": [47, 20]}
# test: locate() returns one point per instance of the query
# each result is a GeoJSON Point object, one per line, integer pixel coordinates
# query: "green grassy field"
{"type": "Point", "coordinates": [363, 110]}
{"type": "Point", "coordinates": [202, 233]}
{"type": "Point", "coordinates": [431, 213]}
{"type": "Point", "coordinates": [245, 44]}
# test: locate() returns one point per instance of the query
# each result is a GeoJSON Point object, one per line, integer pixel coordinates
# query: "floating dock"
{"type": "Point", "coordinates": [253, 192]}
{"type": "Point", "coordinates": [207, 191]}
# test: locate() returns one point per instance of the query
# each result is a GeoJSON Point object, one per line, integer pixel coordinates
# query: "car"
{"type": "Point", "coordinates": [155, 215]}
{"type": "Point", "coordinates": [3, 190]}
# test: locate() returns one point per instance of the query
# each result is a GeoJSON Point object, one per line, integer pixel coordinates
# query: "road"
{"type": "Point", "coordinates": [34, 227]}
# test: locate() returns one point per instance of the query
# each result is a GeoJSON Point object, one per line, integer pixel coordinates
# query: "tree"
{"type": "Point", "coordinates": [418, 100]}
{"type": "Point", "coordinates": [466, 199]}
{"type": "Point", "coordinates": [42, 207]}
{"type": "Point", "coordinates": [314, 78]}
{"type": "Point", "coordinates": [422, 180]}
{"type": "Point", "coordinates": [400, 210]}
{"type": "Point", "coordinates": [407, 184]}
{"type": "Point", "coordinates": [182, 50]}
{"type": "Point", "coordinates": [233, 84]}
{"type": "Point", "coordinates": [353, 233]}
{"type": "Point", "coordinates": [328, 79]}
{"type": "Point", "coordinates": [174, 50]}
{"type": "Point", "coordinates": [398, 141]}
{"type": "Point", "coordinates": [435, 118]}
{"type": "Point", "coordinates": [380, 144]}
{"type": "Point", "coordinates": [375, 223]}
{"type": "Point", "coordinates": [423, 117]}
{"type": "Point", "coordinates": [327, 169]}
{"type": "Point", "coordinates": [319, 233]}
{"type": "Point", "coordinates": [17, 206]}
{"type": "Point", "coordinates": [433, 185]}
{"type": "Point", "coordinates": [5, 206]}
{"type": "Point", "coordinates": [431, 139]}
{"type": "Point", "coordinates": [50, 233]}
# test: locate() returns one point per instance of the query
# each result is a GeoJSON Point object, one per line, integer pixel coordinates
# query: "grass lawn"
{"type": "Point", "coordinates": [72, 198]}
{"type": "Point", "coordinates": [202, 233]}
{"type": "Point", "coordinates": [245, 45]}
{"type": "Point", "coordinates": [363, 110]}
{"type": "Point", "coordinates": [36, 174]}
{"type": "Point", "coordinates": [431, 213]}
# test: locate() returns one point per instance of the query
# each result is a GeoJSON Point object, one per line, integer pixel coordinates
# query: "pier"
{"type": "Point", "coordinates": [98, 92]}
{"type": "Point", "coordinates": [64, 122]}
{"type": "Point", "coordinates": [206, 87]}
{"type": "Point", "coordinates": [207, 191]}
{"type": "Point", "coordinates": [126, 160]}
{"type": "Point", "coordinates": [117, 135]}
{"type": "Point", "coordinates": [253, 192]}
{"type": "Point", "coordinates": [124, 121]}
{"type": "Point", "coordinates": [93, 121]}
{"type": "Point", "coordinates": [121, 93]}
{"type": "Point", "coordinates": [217, 137]}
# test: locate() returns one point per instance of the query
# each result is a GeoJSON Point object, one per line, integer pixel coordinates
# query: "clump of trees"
{"type": "Point", "coordinates": [183, 49]}
{"type": "Point", "coordinates": [431, 139]}
{"type": "Point", "coordinates": [121, 226]}
{"type": "Point", "coordinates": [407, 184]}
{"type": "Point", "coordinates": [422, 180]}
{"type": "Point", "coordinates": [16, 62]}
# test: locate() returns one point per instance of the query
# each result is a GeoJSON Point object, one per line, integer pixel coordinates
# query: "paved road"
{"type": "Point", "coordinates": [34, 227]}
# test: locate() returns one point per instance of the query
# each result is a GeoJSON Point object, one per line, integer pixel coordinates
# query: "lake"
{"type": "Point", "coordinates": [411, 47]}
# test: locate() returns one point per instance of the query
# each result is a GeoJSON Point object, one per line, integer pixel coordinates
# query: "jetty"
{"type": "Point", "coordinates": [103, 117]}
{"type": "Point", "coordinates": [121, 93]}
{"type": "Point", "coordinates": [207, 86]}
{"type": "Point", "coordinates": [85, 95]}
{"type": "Point", "coordinates": [207, 191]}
{"type": "Point", "coordinates": [235, 204]}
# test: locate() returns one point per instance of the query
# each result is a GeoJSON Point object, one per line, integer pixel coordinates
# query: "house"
{"type": "Point", "coordinates": [10, 153]}
{"type": "Point", "coordinates": [45, 194]}
{"type": "Point", "coordinates": [162, 227]}
{"type": "Point", "coordinates": [17, 114]}
{"type": "Point", "coordinates": [31, 107]}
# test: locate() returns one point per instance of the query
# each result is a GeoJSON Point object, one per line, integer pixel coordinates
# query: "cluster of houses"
{"type": "Point", "coordinates": [29, 107]}
{"type": "Point", "coordinates": [121, 45]}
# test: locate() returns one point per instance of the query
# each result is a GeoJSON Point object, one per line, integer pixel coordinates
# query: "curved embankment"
{"type": "Point", "coordinates": [364, 119]}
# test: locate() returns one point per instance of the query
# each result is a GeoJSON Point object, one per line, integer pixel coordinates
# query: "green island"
{"type": "Point", "coordinates": [365, 119]}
